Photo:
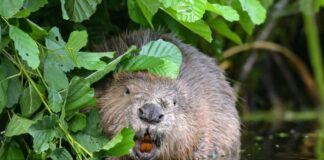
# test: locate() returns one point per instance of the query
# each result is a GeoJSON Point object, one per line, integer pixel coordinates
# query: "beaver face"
{"type": "Point", "coordinates": [147, 104]}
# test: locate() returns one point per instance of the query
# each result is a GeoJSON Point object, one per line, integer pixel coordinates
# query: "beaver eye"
{"type": "Point", "coordinates": [127, 91]}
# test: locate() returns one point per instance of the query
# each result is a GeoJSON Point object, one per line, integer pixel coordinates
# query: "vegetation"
{"type": "Point", "coordinates": [47, 64]}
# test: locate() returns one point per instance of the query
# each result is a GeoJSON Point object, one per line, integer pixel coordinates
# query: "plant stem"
{"type": "Point", "coordinates": [75, 145]}
{"type": "Point", "coordinates": [316, 59]}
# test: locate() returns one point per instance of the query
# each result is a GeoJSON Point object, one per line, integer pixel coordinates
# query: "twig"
{"type": "Point", "coordinates": [298, 64]}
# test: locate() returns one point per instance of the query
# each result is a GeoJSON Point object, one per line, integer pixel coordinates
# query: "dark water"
{"type": "Point", "coordinates": [286, 141]}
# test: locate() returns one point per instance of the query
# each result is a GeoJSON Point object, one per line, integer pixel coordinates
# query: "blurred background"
{"type": "Point", "coordinates": [275, 66]}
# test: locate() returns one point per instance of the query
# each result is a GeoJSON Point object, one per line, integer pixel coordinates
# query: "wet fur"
{"type": "Point", "coordinates": [206, 123]}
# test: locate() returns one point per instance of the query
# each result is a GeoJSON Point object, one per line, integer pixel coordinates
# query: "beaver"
{"type": "Point", "coordinates": [191, 117]}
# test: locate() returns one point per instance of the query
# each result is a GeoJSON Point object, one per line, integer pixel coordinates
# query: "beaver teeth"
{"type": "Point", "coordinates": [147, 144]}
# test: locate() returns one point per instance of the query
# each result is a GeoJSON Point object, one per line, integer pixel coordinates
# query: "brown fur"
{"type": "Point", "coordinates": [203, 123]}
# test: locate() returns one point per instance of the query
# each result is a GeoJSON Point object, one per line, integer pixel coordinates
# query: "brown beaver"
{"type": "Point", "coordinates": [192, 117]}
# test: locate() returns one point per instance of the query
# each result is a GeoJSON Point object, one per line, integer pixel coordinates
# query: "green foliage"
{"type": "Point", "coordinates": [158, 57]}
{"type": "Point", "coordinates": [47, 70]}
{"type": "Point", "coordinates": [190, 13]}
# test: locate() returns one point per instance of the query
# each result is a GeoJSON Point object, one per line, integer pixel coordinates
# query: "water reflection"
{"type": "Point", "coordinates": [287, 141]}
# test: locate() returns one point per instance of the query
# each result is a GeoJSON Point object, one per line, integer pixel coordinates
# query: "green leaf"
{"type": "Point", "coordinates": [140, 63]}
{"type": "Point", "coordinates": [17, 126]}
{"type": "Point", "coordinates": [78, 122]}
{"type": "Point", "coordinates": [91, 137]}
{"type": "Point", "coordinates": [80, 95]}
{"type": "Point", "coordinates": [162, 49]}
{"type": "Point", "coordinates": [56, 46]}
{"type": "Point", "coordinates": [159, 57]}
{"type": "Point", "coordinates": [60, 154]}
{"type": "Point", "coordinates": [22, 14]}
{"type": "Point", "coordinates": [169, 3]}
{"type": "Point", "coordinates": [37, 32]}
{"type": "Point", "coordinates": [55, 100]}
{"type": "Point", "coordinates": [77, 10]}
{"type": "Point", "coordinates": [94, 77]}
{"type": "Point", "coordinates": [53, 75]}
{"type": "Point", "coordinates": [255, 10]}
{"type": "Point", "coordinates": [121, 144]}
{"type": "Point", "coordinates": [189, 10]}
{"type": "Point", "coordinates": [199, 27]}
{"type": "Point", "coordinates": [168, 69]}
{"type": "Point", "coordinates": [43, 132]}
{"type": "Point", "coordinates": [245, 21]}
{"type": "Point", "coordinates": [3, 87]}
{"type": "Point", "coordinates": [5, 40]}
{"type": "Point", "coordinates": [11, 151]}
{"type": "Point", "coordinates": [148, 8]}
{"type": "Point", "coordinates": [14, 86]}
{"type": "Point", "coordinates": [135, 12]}
{"type": "Point", "coordinates": [222, 28]}
{"type": "Point", "coordinates": [90, 142]}
{"type": "Point", "coordinates": [8, 8]}
{"type": "Point", "coordinates": [34, 5]}
{"type": "Point", "coordinates": [225, 11]}
{"type": "Point", "coordinates": [77, 40]}
{"type": "Point", "coordinates": [30, 100]}
{"type": "Point", "coordinates": [26, 46]}
{"type": "Point", "coordinates": [91, 60]}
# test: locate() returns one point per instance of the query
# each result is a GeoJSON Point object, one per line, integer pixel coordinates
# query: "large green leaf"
{"type": "Point", "coordinates": [26, 46]}
{"type": "Point", "coordinates": [245, 21]}
{"type": "Point", "coordinates": [77, 10]}
{"type": "Point", "coordinates": [77, 40]}
{"type": "Point", "coordinates": [148, 8]}
{"type": "Point", "coordinates": [14, 85]}
{"type": "Point", "coordinates": [121, 144]}
{"type": "Point", "coordinates": [135, 12]}
{"type": "Point", "coordinates": [34, 5]}
{"type": "Point", "coordinates": [80, 95]}
{"type": "Point", "coordinates": [18, 125]}
{"type": "Point", "coordinates": [189, 10]}
{"type": "Point", "coordinates": [94, 77]}
{"type": "Point", "coordinates": [37, 32]}
{"type": "Point", "coordinates": [222, 28]}
{"type": "Point", "coordinates": [30, 101]}
{"type": "Point", "coordinates": [53, 75]}
{"type": "Point", "coordinates": [91, 60]}
{"type": "Point", "coordinates": [140, 63]}
{"type": "Point", "coordinates": [3, 87]}
{"type": "Point", "coordinates": [90, 142]}
{"type": "Point", "coordinates": [11, 151]}
{"type": "Point", "coordinates": [56, 46]}
{"type": "Point", "coordinates": [162, 49]}
{"type": "Point", "coordinates": [199, 27]}
{"type": "Point", "coordinates": [159, 57]}
{"type": "Point", "coordinates": [169, 3]}
{"type": "Point", "coordinates": [78, 122]}
{"type": "Point", "coordinates": [60, 154]}
{"type": "Point", "coordinates": [8, 8]}
{"type": "Point", "coordinates": [255, 10]}
{"type": "Point", "coordinates": [43, 132]}
{"type": "Point", "coordinates": [225, 11]}
{"type": "Point", "coordinates": [168, 69]}
{"type": "Point", "coordinates": [91, 137]}
{"type": "Point", "coordinates": [55, 100]}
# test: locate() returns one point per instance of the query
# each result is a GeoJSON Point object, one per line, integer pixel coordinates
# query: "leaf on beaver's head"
{"type": "Point", "coordinates": [159, 58]}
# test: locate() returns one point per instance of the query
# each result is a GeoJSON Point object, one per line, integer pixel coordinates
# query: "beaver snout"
{"type": "Point", "coordinates": [150, 113]}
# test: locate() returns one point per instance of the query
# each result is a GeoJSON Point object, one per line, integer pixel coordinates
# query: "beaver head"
{"type": "Point", "coordinates": [151, 106]}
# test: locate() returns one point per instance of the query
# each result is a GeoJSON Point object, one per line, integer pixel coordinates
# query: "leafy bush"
{"type": "Point", "coordinates": [45, 81]}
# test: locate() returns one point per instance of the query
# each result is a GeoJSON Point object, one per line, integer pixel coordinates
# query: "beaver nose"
{"type": "Point", "coordinates": [150, 113]}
